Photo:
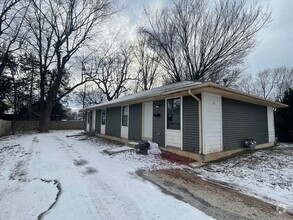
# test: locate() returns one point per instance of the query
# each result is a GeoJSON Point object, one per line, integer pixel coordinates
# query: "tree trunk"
{"type": "Point", "coordinates": [45, 117]}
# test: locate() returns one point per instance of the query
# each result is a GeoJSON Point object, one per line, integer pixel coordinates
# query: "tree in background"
{"type": "Point", "coordinates": [58, 29]}
{"type": "Point", "coordinates": [197, 41]}
{"type": "Point", "coordinates": [112, 71]}
{"type": "Point", "coordinates": [268, 83]}
{"type": "Point", "coordinates": [284, 116]}
{"type": "Point", "coordinates": [12, 34]}
{"type": "Point", "coordinates": [148, 65]}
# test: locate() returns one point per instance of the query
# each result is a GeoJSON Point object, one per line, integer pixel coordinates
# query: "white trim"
{"type": "Point", "coordinates": [271, 124]}
{"type": "Point", "coordinates": [103, 127]}
{"type": "Point", "coordinates": [172, 135]}
{"type": "Point", "coordinates": [87, 121]}
{"type": "Point", "coordinates": [93, 120]}
{"type": "Point", "coordinates": [148, 122]}
{"type": "Point", "coordinates": [124, 129]}
{"type": "Point", "coordinates": [212, 123]}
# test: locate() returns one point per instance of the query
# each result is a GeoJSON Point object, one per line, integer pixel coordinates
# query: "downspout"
{"type": "Point", "coordinates": [199, 120]}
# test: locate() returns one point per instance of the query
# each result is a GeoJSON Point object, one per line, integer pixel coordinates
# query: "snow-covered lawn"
{"type": "Point", "coordinates": [51, 176]}
{"type": "Point", "coordinates": [267, 174]}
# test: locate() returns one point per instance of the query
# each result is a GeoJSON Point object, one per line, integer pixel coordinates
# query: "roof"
{"type": "Point", "coordinates": [183, 88]}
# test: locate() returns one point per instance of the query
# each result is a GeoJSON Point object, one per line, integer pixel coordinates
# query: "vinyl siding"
{"type": "Point", "coordinates": [243, 120]}
{"type": "Point", "coordinates": [113, 121]}
{"type": "Point", "coordinates": [159, 123]}
{"type": "Point", "coordinates": [98, 121]}
{"type": "Point", "coordinates": [135, 122]}
{"type": "Point", "coordinates": [190, 125]}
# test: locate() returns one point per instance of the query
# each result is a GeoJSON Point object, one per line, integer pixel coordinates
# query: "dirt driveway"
{"type": "Point", "coordinates": [217, 201]}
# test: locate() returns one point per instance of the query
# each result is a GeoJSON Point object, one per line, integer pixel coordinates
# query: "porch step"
{"type": "Point", "coordinates": [132, 144]}
{"type": "Point", "coordinates": [118, 150]}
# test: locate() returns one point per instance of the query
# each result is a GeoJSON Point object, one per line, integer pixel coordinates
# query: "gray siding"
{"type": "Point", "coordinates": [159, 122]}
{"type": "Point", "coordinates": [98, 121]}
{"type": "Point", "coordinates": [190, 124]}
{"type": "Point", "coordinates": [243, 120]}
{"type": "Point", "coordinates": [135, 122]}
{"type": "Point", "coordinates": [113, 121]}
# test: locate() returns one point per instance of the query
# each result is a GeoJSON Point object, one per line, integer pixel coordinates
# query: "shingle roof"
{"type": "Point", "coordinates": [149, 93]}
{"type": "Point", "coordinates": [162, 91]}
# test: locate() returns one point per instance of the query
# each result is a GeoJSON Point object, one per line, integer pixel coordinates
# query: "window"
{"type": "Point", "coordinates": [103, 116]}
{"type": "Point", "coordinates": [173, 113]}
{"type": "Point", "coordinates": [125, 115]}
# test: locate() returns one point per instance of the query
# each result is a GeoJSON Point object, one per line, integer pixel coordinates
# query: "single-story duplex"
{"type": "Point", "coordinates": [202, 121]}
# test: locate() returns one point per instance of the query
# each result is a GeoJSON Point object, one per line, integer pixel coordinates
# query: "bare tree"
{"type": "Point", "coordinates": [284, 81]}
{"type": "Point", "coordinates": [12, 34]}
{"type": "Point", "coordinates": [148, 65]}
{"type": "Point", "coordinates": [112, 71]}
{"type": "Point", "coordinates": [60, 29]}
{"type": "Point", "coordinates": [91, 95]}
{"type": "Point", "coordinates": [246, 84]}
{"type": "Point", "coordinates": [197, 42]}
{"type": "Point", "coordinates": [265, 82]}
{"type": "Point", "coordinates": [268, 83]}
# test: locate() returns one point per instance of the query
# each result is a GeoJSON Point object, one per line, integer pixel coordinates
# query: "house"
{"type": "Point", "coordinates": [202, 121]}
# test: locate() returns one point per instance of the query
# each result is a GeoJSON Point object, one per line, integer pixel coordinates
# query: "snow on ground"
{"type": "Point", "coordinates": [51, 176]}
{"type": "Point", "coordinates": [266, 174]}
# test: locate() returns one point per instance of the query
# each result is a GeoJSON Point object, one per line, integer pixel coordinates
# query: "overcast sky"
{"type": "Point", "coordinates": [275, 41]}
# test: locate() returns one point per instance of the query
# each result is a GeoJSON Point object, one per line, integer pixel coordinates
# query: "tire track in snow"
{"type": "Point", "coordinates": [106, 197]}
{"type": "Point", "coordinates": [97, 203]}
{"type": "Point", "coordinates": [58, 186]}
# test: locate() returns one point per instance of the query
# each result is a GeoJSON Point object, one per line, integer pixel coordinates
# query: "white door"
{"type": "Point", "coordinates": [88, 116]}
{"type": "Point", "coordinates": [147, 114]}
{"type": "Point", "coordinates": [93, 121]}
{"type": "Point", "coordinates": [271, 125]}
{"type": "Point", "coordinates": [124, 121]}
{"type": "Point", "coordinates": [212, 123]}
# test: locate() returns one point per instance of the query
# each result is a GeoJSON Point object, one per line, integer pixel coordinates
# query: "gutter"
{"type": "Point", "coordinates": [199, 120]}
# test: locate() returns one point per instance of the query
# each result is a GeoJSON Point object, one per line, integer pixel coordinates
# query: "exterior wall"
{"type": "Point", "coordinates": [135, 122]}
{"type": "Point", "coordinates": [271, 124]}
{"type": "Point", "coordinates": [5, 126]}
{"type": "Point", "coordinates": [159, 122]}
{"type": "Point", "coordinates": [190, 125]}
{"type": "Point", "coordinates": [243, 120]}
{"type": "Point", "coordinates": [98, 121]}
{"type": "Point", "coordinates": [173, 137]}
{"type": "Point", "coordinates": [212, 138]}
{"type": "Point", "coordinates": [113, 121]}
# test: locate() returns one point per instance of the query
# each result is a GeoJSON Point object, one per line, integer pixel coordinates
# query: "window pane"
{"type": "Point", "coordinates": [173, 113]}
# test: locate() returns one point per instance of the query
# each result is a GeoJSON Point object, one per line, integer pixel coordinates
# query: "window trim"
{"type": "Point", "coordinates": [127, 121]}
{"type": "Point", "coordinates": [103, 110]}
{"type": "Point", "coordinates": [180, 114]}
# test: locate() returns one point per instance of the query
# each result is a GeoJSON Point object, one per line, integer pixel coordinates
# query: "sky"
{"type": "Point", "coordinates": [275, 42]}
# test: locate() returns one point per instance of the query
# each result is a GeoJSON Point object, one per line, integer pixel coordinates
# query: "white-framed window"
{"type": "Point", "coordinates": [125, 110]}
{"type": "Point", "coordinates": [103, 116]}
{"type": "Point", "coordinates": [174, 113]}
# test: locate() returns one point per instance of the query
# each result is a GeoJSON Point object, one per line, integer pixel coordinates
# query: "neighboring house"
{"type": "Point", "coordinates": [203, 121]}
